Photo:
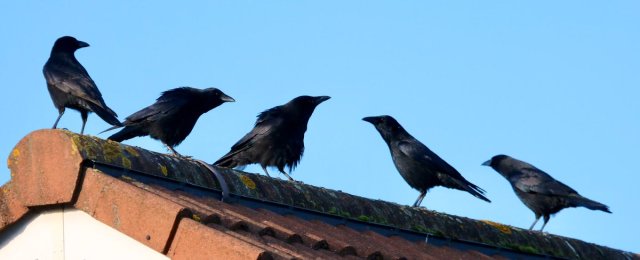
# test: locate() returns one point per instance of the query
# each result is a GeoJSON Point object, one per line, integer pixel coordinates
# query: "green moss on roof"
{"type": "Point", "coordinates": [339, 203]}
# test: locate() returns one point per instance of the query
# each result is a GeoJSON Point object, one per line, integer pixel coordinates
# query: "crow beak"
{"type": "Point", "coordinates": [226, 98]}
{"type": "Point", "coordinates": [370, 119]}
{"type": "Point", "coordinates": [82, 44]}
{"type": "Point", "coordinates": [487, 163]}
{"type": "Point", "coordinates": [321, 99]}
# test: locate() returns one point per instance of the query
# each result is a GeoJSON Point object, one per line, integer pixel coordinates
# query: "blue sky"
{"type": "Point", "coordinates": [554, 83]}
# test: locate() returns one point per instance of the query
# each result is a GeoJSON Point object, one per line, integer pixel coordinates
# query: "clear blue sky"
{"type": "Point", "coordinates": [554, 83]}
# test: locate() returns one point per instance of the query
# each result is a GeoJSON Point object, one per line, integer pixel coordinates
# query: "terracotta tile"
{"type": "Point", "coordinates": [279, 231]}
{"type": "Point", "coordinates": [279, 248]}
{"type": "Point", "coordinates": [46, 170]}
{"type": "Point", "coordinates": [196, 241]}
{"type": "Point", "coordinates": [363, 248]}
{"type": "Point", "coordinates": [450, 252]}
{"type": "Point", "coordinates": [133, 211]}
{"type": "Point", "coordinates": [377, 242]}
{"type": "Point", "coordinates": [45, 167]}
{"type": "Point", "coordinates": [295, 251]}
{"type": "Point", "coordinates": [405, 247]}
{"type": "Point", "coordinates": [201, 212]}
{"type": "Point", "coordinates": [261, 241]}
{"type": "Point", "coordinates": [219, 213]}
{"type": "Point", "coordinates": [251, 224]}
{"type": "Point", "coordinates": [213, 211]}
{"type": "Point", "coordinates": [337, 244]}
{"type": "Point", "coordinates": [212, 214]}
{"type": "Point", "coordinates": [390, 252]}
{"type": "Point", "coordinates": [11, 208]}
{"type": "Point", "coordinates": [438, 251]}
{"type": "Point", "coordinates": [309, 237]}
{"type": "Point", "coordinates": [298, 251]}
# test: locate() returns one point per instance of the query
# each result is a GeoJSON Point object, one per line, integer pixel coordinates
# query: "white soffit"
{"type": "Point", "coordinates": [69, 234]}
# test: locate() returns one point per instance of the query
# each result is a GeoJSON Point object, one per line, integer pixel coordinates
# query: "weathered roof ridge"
{"type": "Point", "coordinates": [89, 151]}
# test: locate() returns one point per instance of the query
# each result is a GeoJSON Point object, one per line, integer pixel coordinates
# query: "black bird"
{"type": "Point", "coordinates": [277, 139]}
{"type": "Point", "coordinates": [70, 86]}
{"type": "Point", "coordinates": [538, 190]}
{"type": "Point", "coordinates": [172, 117]}
{"type": "Point", "coordinates": [419, 166]}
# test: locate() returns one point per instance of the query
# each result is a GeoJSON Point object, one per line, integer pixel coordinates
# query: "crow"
{"type": "Point", "coordinates": [538, 190]}
{"type": "Point", "coordinates": [421, 168]}
{"type": "Point", "coordinates": [277, 139]}
{"type": "Point", "coordinates": [70, 86]}
{"type": "Point", "coordinates": [172, 117]}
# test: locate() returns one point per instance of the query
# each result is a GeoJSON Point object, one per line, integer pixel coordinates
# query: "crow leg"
{"type": "Point", "coordinates": [534, 222]}
{"type": "Point", "coordinates": [60, 113]}
{"type": "Point", "coordinates": [264, 168]}
{"type": "Point", "coordinates": [546, 219]}
{"type": "Point", "coordinates": [285, 174]}
{"type": "Point", "coordinates": [419, 200]}
{"type": "Point", "coordinates": [175, 153]}
{"type": "Point", "coordinates": [84, 115]}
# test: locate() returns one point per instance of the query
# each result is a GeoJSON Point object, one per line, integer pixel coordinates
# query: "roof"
{"type": "Point", "coordinates": [173, 206]}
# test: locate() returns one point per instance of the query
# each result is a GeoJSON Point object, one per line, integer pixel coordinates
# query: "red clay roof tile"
{"type": "Point", "coordinates": [196, 241]}
{"type": "Point", "coordinates": [309, 237]}
{"type": "Point", "coordinates": [39, 179]}
{"type": "Point", "coordinates": [139, 214]}
{"type": "Point", "coordinates": [11, 208]}
{"type": "Point", "coordinates": [167, 204]}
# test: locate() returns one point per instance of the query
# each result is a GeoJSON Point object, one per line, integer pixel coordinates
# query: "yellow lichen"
{"type": "Point", "coordinates": [74, 144]}
{"type": "Point", "coordinates": [132, 151]}
{"type": "Point", "coordinates": [126, 162]}
{"type": "Point", "coordinates": [111, 151]}
{"type": "Point", "coordinates": [503, 228]}
{"type": "Point", "coordinates": [196, 217]}
{"type": "Point", "coordinates": [248, 182]}
{"type": "Point", "coordinates": [164, 170]}
{"type": "Point", "coordinates": [14, 156]}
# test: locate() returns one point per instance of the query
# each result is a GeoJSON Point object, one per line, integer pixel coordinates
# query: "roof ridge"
{"type": "Point", "coordinates": [71, 153]}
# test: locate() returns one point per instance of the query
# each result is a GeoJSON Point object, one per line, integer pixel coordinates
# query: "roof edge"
{"type": "Point", "coordinates": [70, 153]}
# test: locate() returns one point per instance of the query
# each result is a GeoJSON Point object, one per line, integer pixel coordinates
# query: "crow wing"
{"type": "Point", "coordinates": [166, 104]}
{"type": "Point", "coordinates": [267, 122]}
{"type": "Point", "coordinates": [449, 176]}
{"type": "Point", "coordinates": [73, 79]}
{"type": "Point", "coordinates": [421, 153]}
{"type": "Point", "coordinates": [534, 180]}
